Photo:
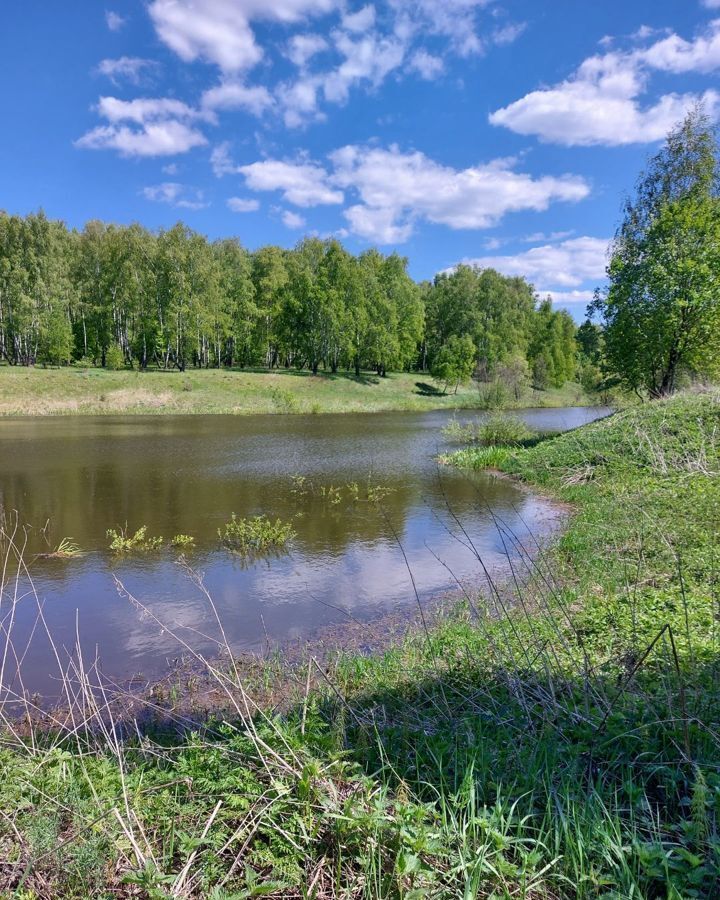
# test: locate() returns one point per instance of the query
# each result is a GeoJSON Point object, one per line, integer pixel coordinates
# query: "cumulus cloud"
{"type": "Point", "coordinates": [563, 266]}
{"type": "Point", "coordinates": [222, 162]}
{"type": "Point", "coordinates": [219, 31]}
{"type": "Point", "coordinates": [601, 102]}
{"type": "Point", "coordinates": [113, 20]}
{"type": "Point", "coordinates": [454, 19]}
{"type": "Point", "coordinates": [175, 194]}
{"type": "Point", "coordinates": [568, 298]}
{"type": "Point", "coordinates": [236, 95]}
{"type": "Point", "coordinates": [360, 21]}
{"type": "Point", "coordinates": [145, 126]}
{"type": "Point", "coordinates": [155, 139]}
{"type": "Point", "coordinates": [293, 220]}
{"type": "Point", "coordinates": [303, 47]}
{"type": "Point", "coordinates": [426, 65]}
{"type": "Point", "coordinates": [302, 183]}
{"type": "Point", "coordinates": [397, 188]}
{"type": "Point", "coordinates": [368, 58]}
{"type": "Point", "coordinates": [242, 205]}
{"type": "Point", "coordinates": [126, 68]}
{"type": "Point", "coordinates": [393, 190]}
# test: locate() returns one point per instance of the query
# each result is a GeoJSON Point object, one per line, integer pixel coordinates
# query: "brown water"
{"type": "Point", "coordinates": [77, 477]}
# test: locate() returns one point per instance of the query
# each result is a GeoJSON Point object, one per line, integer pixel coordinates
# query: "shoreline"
{"type": "Point", "coordinates": [55, 393]}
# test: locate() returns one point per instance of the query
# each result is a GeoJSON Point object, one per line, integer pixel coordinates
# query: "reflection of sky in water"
{"type": "Point", "coordinates": [187, 474]}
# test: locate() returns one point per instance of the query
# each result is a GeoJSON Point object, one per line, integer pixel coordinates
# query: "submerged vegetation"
{"type": "Point", "coordinates": [555, 744]}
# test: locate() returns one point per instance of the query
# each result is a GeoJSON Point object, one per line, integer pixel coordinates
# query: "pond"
{"type": "Point", "coordinates": [78, 477]}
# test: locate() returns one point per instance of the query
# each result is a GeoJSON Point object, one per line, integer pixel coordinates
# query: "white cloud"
{"type": "Point", "coordinates": [218, 31]}
{"type": "Point", "coordinates": [302, 183]}
{"type": "Point", "coordinates": [565, 265]}
{"type": "Point", "coordinates": [299, 100]}
{"type": "Point", "coordinates": [369, 58]}
{"type": "Point", "coordinates": [674, 54]}
{"type": "Point", "coordinates": [508, 34]}
{"type": "Point", "coordinates": [568, 298]}
{"type": "Point", "coordinates": [293, 220]}
{"type": "Point", "coordinates": [455, 19]}
{"type": "Point", "coordinates": [114, 21]}
{"type": "Point", "coordinates": [710, 4]}
{"type": "Point", "coordinates": [175, 194]}
{"type": "Point", "coordinates": [426, 65]}
{"type": "Point", "coordinates": [362, 20]}
{"type": "Point", "coordinates": [158, 127]}
{"type": "Point", "coordinates": [396, 189]}
{"type": "Point", "coordinates": [127, 68]}
{"type": "Point", "coordinates": [541, 237]}
{"type": "Point", "coordinates": [601, 102]}
{"type": "Point", "coordinates": [235, 95]}
{"type": "Point", "coordinates": [303, 47]}
{"type": "Point", "coordinates": [241, 205]}
{"type": "Point", "coordinates": [221, 161]}
{"type": "Point", "coordinates": [171, 169]}
{"type": "Point", "coordinates": [156, 139]}
{"type": "Point", "coordinates": [148, 109]}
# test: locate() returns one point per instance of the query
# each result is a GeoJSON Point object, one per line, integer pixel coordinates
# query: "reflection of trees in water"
{"type": "Point", "coordinates": [85, 501]}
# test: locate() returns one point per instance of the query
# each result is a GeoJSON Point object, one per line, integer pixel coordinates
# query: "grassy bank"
{"type": "Point", "coordinates": [565, 746]}
{"type": "Point", "coordinates": [75, 391]}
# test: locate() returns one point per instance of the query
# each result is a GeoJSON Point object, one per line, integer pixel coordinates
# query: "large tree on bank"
{"type": "Point", "coordinates": [661, 311]}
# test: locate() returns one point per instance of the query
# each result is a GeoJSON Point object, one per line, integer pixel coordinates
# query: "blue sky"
{"type": "Point", "coordinates": [499, 131]}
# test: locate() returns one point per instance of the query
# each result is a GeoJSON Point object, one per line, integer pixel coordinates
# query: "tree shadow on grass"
{"type": "Point", "coordinates": [428, 390]}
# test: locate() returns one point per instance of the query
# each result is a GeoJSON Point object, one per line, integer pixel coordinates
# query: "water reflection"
{"type": "Point", "coordinates": [188, 474]}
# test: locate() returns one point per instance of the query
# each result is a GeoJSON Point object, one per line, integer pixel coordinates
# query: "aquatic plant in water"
{"type": "Point", "coordinates": [122, 542]}
{"type": "Point", "coordinates": [183, 541]}
{"type": "Point", "coordinates": [255, 535]}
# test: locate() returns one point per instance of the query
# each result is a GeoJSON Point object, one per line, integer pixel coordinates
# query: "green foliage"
{"type": "Point", "coordinates": [67, 549]}
{"type": "Point", "coordinates": [661, 311]}
{"type": "Point", "coordinates": [498, 430]}
{"type": "Point", "coordinates": [125, 297]}
{"type": "Point", "coordinates": [114, 358]}
{"type": "Point", "coordinates": [255, 535]}
{"type": "Point", "coordinates": [121, 541]}
{"type": "Point", "coordinates": [183, 541]}
{"type": "Point", "coordinates": [454, 361]}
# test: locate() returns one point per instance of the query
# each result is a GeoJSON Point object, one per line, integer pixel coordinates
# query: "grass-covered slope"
{"type": "Point", "coordinates": [78, 391]}
{"type": "Point", "coordinates": [567, 747]}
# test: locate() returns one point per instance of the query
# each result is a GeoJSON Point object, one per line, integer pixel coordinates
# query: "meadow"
{"type": "Point", "coordinates": [94, 391]}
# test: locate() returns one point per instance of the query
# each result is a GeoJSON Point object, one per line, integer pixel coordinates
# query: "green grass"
{"type": "Point", "coordinates": [76, 391]}
{"type": "Point", "coordinates": [562, 747]}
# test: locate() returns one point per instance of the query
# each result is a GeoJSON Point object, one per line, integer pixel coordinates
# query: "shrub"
{"type": "Point", "coordinates": [114, 358]}
{"type": "Point", "coordinates": [504, 431]}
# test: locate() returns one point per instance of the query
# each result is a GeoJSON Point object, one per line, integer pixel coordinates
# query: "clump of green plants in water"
{"type": "Point", "coordinates": [66, 549]}
{"type": "Point", "coordinates": [121, 541]}
{"type": "Point", "coordinates": [183, 541]}
{"type": "Point", "coordinates": [255, 535]}
{"type": "Point", "coordinates": [331, 494]}
{"type": "Point", "coordinates": [498, 430]}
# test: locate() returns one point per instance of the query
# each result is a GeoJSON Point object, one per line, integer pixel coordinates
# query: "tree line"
{"type": "Point", "coordinates": [117, 296]}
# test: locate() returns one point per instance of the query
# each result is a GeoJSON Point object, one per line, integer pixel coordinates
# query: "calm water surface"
{"type": "Point", "coordinates": [77, 477]}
